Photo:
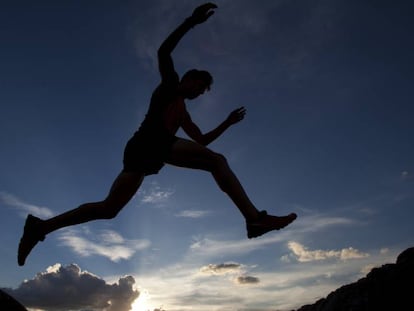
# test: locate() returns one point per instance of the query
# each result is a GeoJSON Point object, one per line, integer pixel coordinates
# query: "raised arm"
{"type": "Point", "coordinates": [165, 62]}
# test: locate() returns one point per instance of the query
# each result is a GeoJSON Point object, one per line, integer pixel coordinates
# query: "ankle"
{"type": "Point", "coordinates": [253, 217]}
{"type": "Point", "coordinates": [40, 228]}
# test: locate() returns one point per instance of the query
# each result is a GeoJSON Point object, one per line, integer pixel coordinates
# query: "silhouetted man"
{"type": "Point", "coordinates": [155, 144]}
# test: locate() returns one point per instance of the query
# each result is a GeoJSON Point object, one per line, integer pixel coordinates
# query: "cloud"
{"type": "Point", "coordinates": [247, 280]}
{"type": "Point", "coordinates": [384, 250]}
{"type": "Point", "coordinates": [302, 254]}
{"type": "Point", "coordinates": [192, 213]}
{"type": "Point", "coordinates": [220, 269]}
{"type": "Point", "coordinates": [209, 248]}
{"type": "Point", "coordinates": [319, 222]}
{"type": "Point", "coordinates": [23, 207]}
{"type": "Point", "coordinates": [406, 175]}
{"type": "Point", "coordinates": [182, 285]}
{"type": "Point", "coordinates": [107, 243]}
{"type": "Point", "coordinates": [212, 248]}
{"type": "Point", "coordinates": [155, 195]}
{"type": "Point", "coordinates": [69, 288]}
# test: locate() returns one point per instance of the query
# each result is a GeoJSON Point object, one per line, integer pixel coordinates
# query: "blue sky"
{"type": "Point", "coordinates": [328, 135]}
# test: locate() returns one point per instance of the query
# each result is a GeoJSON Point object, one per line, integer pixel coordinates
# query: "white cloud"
{"type": "Point", "coordinates": [110, 236]}
{"type": "Point", "coordinates": [318, 222]}
{"type": "Point", "coordinates": [107, 243]}
{"type": "Point", "coordinates": [192, 213]}
{"type": "Point", "coordinates": [24, 207]}
{"type": "Point", "coordinates": [69, 288]}
{"type": "Point", "coordinates": [366, 269]}
{"type": "Point", "coordinates": [210, 248]}
{"type": "Point", "coordinates": [302, 254]}
{"type": "Point", "coordinates": [155, 195]}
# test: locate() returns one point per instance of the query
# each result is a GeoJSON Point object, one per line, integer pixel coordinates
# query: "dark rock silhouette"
{"type": "Point", "coordinates": [8, 303]}
{"type": "Point", "coordinates": [389, 287]}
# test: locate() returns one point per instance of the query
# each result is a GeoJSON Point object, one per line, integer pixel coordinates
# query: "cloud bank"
{"type": "Point", "coordinates": [107, 243]}
{"type": "Point", "coordinates": [69, 288]}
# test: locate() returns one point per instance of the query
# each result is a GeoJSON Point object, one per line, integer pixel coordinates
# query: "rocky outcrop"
{"type": "Point", "coordinates": [8, 303]}
{"type": "Point", "coordinates": [390, 287]}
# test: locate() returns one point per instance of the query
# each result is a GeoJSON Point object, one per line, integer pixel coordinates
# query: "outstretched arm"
{"type": "Point", "coordinates": [165, 62]}
{"type": "Point", "coordinates": [193, 131]}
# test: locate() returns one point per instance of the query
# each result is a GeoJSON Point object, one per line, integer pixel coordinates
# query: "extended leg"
{"type": "Point", "coordinates": [189, 154]}
{"type": "Point", "coordinates": [122, 190]}
{"type": "Point", "coordinates": [186, 153]}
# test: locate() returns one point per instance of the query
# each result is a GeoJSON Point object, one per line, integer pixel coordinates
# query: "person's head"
{"type": "Point", "coordinates": [194, 83]}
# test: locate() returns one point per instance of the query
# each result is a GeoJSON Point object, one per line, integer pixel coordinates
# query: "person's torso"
{"type": "Point", "coordinates": [166, 110]}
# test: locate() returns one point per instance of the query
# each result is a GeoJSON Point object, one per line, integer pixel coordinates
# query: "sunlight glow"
{"type": "Point", "coordinates": [142, 303]}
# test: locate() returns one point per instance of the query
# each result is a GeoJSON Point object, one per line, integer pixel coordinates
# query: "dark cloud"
{"type": "Point", "coordinates": [68, 288]}
{"type": "Point", "coordinates": [222, 268]}
{"type": "Point", "coordinates": [244, 280]}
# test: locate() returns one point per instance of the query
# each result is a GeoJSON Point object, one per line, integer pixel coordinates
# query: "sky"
{"type": "Point", "coordinates": [328, 134]}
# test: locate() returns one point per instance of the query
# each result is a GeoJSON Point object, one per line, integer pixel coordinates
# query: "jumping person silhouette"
{"type": "Point", "coordinates": [155, 144]}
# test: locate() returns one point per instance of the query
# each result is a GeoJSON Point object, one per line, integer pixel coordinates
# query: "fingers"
{"type": "Point", "coordinates": [203, 12]}
{"type": "Point", "coordinates": [209, 14]}
{"type": "Point", "coordinates": [241, 112]}
{"type": "Point", "coordinates": [236, 115]}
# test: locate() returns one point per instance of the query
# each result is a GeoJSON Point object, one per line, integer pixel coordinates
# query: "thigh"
{"type": "Point", "coordinates": [145, 153]}
{"type": "Point", "coordinates": [189, 154]}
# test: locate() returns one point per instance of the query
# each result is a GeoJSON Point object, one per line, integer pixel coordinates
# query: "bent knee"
{"type": "Point", "coordinates": [218, 160]}
{"type": "Point", "coordinates": [110, 211]}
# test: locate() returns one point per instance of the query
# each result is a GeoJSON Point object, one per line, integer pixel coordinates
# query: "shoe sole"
{"type": "Point", "coordinates": [256, 230]}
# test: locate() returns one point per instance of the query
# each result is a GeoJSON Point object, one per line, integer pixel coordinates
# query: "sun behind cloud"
{"type": "Point", "coordinates": [143, 302]}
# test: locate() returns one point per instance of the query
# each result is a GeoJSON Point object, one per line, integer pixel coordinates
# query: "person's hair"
{"type": "Point", "coordinates": [199, 74]}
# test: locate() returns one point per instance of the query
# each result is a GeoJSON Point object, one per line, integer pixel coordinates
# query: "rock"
{"type": "Point", "coordinates": [8, 303]}
{"type": "Point", "coordinates": [386, 288]}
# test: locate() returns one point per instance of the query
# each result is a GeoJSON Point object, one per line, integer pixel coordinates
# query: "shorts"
{"type": "Point", "coordinates": [147, 152]}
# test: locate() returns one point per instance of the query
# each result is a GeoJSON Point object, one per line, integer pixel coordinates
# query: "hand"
{"type": "Point", "coordinates": [236, 115]}
{"type": "Point", "coordinates": [203, 12]}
